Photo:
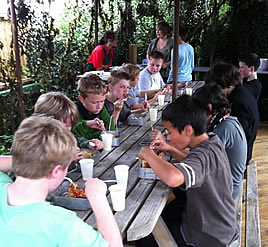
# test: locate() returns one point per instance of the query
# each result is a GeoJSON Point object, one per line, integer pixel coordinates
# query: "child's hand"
{"type": "Point", "coordinates": [98, 144]}
{"type": "Point", "coordinates": [182, 85]}
{"type": "Point", "coordinates": [118, 105]}
{"type": "Point", "coordinates": [157, 135]}
{"type": "Point", "coordinates": [144, 106]}
{"type": "Point", "coordinates": [160, 145]}
{"type": "Point", "coordinates": [95, 188]}
{"type": "Point", "coordinates": [96, 124]}
{"type": "Point", "coordinates": [145, 151]}
{"type": "Point", "coordinates": [78, 155]}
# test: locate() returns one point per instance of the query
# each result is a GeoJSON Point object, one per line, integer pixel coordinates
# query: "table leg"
{"type": "Point", "coordinates": [162, 234]}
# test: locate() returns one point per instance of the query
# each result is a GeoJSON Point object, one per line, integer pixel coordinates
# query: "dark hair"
{"type": "Point", "coordinates": [186, 111]}
{"type": "Point", "coordinates": [212, 94]}
{"type": "Point", "coordinates": [225, 75]}
{"type": "Point", "coordinates": [183, 33]}
{"type": "Point", "coordinates": [106, 36]}
{"type": "Point", "coordinates": [156, 55]}
{"type": "Point", "coordinates": [251, 59]}
{"type": "Point", "coordinates": [164, 27]}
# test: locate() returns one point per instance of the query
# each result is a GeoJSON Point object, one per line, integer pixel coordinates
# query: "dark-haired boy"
{"type": "Point", "coordinates": [208, 218]}
{"type": "Point", "coordinates": [248, 66]}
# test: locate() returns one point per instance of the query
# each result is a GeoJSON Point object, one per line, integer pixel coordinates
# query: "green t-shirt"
{"type": "Point", "coordinates": [42, 225]}
{"type": "Point", "coordinates": [83, 132]}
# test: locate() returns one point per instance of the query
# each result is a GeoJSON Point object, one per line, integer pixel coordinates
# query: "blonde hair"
{"type": "Point", "coordinates": [91, 84]}
{"type": "Point", "coordinates": [40, 144]}
{"type": "Point", "coordinates": [117, 75]}
{"type": "Point", "coordinates": [57, 105]}
{"type": "Point", "coordinates": [132, 70]}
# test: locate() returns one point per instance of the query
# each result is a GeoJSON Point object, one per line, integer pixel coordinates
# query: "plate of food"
{"type": "Point", "coordinates": [91, 154]}
{"type": "Point", "coordinates": [69, 195]}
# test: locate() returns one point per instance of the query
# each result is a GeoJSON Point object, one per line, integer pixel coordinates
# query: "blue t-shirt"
{"type": "Point", "coordinates": [42, 225]}
{"type": "Point", "coordinates": [233, 137]}
{"type": "Point", "coordinates": [186, 63]}
{"type": "Point", "coordinates": [134, 94]}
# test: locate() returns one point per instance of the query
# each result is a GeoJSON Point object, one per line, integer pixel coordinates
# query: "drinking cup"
{"type": "Point", "coordinates": [86, 168]}
{"type": "Point", "coordinates": [118, 196]}
{"type": "Point", "coordinates": [107, 139]}
{"type": "Point", "coordinates": [153, 114]}
{"type": "Point", "coordinates": [121, 174]}
{"type": "Point", "coordinates": [161, 99]}
{"type": "Point", "coordinates": [189, 91]}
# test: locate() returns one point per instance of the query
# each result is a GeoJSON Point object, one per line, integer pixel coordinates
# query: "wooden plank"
{"type": "Point", "coordinates": [238, 209]}
{"type": "Point", "coordinates": [162, 234]}
{"type": "Point", "coordinates": [150, 212]}
{"type": "Point", "coordinates": [133, 202]}
{"type": "Point", "coordinates": [253, 237]}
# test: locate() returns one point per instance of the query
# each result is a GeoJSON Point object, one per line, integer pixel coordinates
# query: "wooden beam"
{"type": "Point", "coordinates": [175, 50]}
{"type": "Point", "coordinates": [17, 56]}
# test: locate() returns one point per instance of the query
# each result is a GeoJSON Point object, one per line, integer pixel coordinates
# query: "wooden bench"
{"type": "Point", "coordinates": [252, 236]}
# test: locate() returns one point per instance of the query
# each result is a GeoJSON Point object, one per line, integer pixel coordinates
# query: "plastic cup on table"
{"type": "Point", "coordinates": [153, 114]}
{"type": "Point", "coordinates": [118, 196]}
{"type": "Point", "coordinates": [189, 91]}
{"type": "Point", "coordinates": [107, 139]}
{"type": "Point", "coordinates": [121, 174]}
{"type": "Point", "coordinates": [161, 99]}
{"type": "Point", "coordinates": [86, 168]}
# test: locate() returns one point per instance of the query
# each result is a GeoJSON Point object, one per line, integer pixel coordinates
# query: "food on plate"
{"type": "Point", "coordinates": [144, 163]}
{"type": "Point", "coordinates": [87, 155]}
{"type": "Point", "coordinates": [73, 191]}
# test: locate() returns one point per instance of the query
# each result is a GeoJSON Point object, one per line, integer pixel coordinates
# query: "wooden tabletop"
{"type": "Point", "coordinates": [145, 199]}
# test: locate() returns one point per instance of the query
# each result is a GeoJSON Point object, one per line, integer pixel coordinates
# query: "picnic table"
{"type": "Point", "coordinates": [145, 199]}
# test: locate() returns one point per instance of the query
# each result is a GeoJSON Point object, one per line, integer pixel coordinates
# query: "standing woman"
{"type": "Point", "coordinates": [164, 44]}
{"type": "Point", "coordinates": [101, 57]}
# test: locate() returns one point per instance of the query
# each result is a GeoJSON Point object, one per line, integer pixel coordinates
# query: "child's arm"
{"type": "Point", "coordinates": [169, 174]}
{"type": "Point", "coordinates": [5, 163]}
{"type": "Point", "coordinates": [106, 224]}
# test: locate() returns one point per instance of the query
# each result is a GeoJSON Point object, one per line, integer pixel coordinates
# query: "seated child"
{"type": "Point", "coordinates": [150, 77]}
{"type": "Point", "coordinates": [248, 66]}
{"type": "Point", "coordinates": [118, 93]}
{"type": "Point", "coordinates": [93, 116]}
{"type": "Point", "coordinates": [208, 218]}
{"type": "Point", "coordinates": [60, 107]}
{"type": "Point", "coordinates": [134, 93]}
{"type": "Point", "coordinates": [42, 149]}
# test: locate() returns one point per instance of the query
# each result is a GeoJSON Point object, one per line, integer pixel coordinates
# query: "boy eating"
{"type": "Point", "coordinates": [42, 149]}
{"type": "Point", "coordinates": [208, 218]}
{"type": "Point", "coordinates": [93, 116]}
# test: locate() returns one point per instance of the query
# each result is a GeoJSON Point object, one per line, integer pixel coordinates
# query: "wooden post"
{"type": "Point", "coordinates": [175, 50]}
{"type": "Point", "coordinates": [132, 53]}
{"type": "Point", "coordinates": [17, 56]}
{"type": "Point", "coordinates": [96, 22]}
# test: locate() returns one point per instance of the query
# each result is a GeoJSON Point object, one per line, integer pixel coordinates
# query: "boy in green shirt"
{"type": "Point", "coordinates": [93, 116]}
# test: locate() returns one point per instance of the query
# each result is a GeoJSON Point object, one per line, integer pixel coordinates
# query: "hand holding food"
{"type": "Point", "coordinates": [78, 155]}
{"type": "Point", "coordinates": [118, 105]}
{"type": "Point", "coordinates": [157, 135]}
{"type": "Point", "coordinates": [144, 106]}
{"type": "Point", "coordinates": [98, 144]}
{"type": "Point", "coordinates": [160, 145]}
{"type": "Point", "coordinates": [95, 188]}
{"type": "Point", "coordinates": [95, 124]}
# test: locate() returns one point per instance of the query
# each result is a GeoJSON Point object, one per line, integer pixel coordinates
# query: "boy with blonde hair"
{"type": "Point", "coordinates": [42, 150]}
{"type": "Point", "coordinates": [59, 106]}
{"type": "Point", "coordinates": [93, 116]}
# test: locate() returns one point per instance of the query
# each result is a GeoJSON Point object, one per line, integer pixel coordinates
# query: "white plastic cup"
{"type": "Point", "coordinates": [189, 91]}
{"type": "Point", "coordinates": [118, 196]}
{"type": "Point", "coordinates": [153, 114]}
{"type": "Point", "coordinates": [107, 139]}
{"type": "Point", "coordinates": [161, 99]}
{"type": "Point", "coordinates": [86, 168]}
{"type": "Point", "coordinates": [121, 174]}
